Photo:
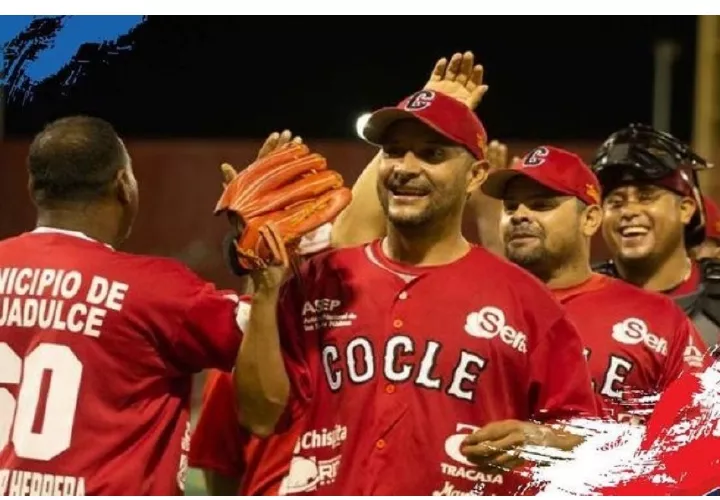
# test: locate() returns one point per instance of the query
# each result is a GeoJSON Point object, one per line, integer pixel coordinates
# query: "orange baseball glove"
{"type": "Point", "coordinates": [277, 200]}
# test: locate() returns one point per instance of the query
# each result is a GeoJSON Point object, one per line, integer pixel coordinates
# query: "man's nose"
{"type": "Point", "coordinates": [520, 215]}
{"type": "Point", "coordinates": [629, 209]}
{"type": "Point", "coordinates": [409, 164]}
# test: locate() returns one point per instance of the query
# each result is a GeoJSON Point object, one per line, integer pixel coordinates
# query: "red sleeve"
{"type": "Point", "coordinates": [218, 441]}
{"type": "Point", "coordinates": [296, 340]}
{"type": "Point", "coordinates": [211, 330]}
{"type": "Point", "coordinates": [560, 383]}
{"type": "Point", "coordinates": [189, 322]}
{"type": "Point", "coordinates": [686, 352]}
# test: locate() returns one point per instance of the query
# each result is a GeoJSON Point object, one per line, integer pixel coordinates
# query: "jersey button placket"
{"type": "Point", "coordinates": [397, 325]}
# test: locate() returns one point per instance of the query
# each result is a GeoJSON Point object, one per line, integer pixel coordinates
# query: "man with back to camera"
{"type": "Point", "coordinates": [636, 342]}
{"type": "Point", "coordinates": [98, 347]}
{"type": "Point", "coordinates": [653, 215]}
{"type": "Point", "coordinates": [417, 334]}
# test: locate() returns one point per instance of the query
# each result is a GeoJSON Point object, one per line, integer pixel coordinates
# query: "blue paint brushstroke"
{"type": "Point", "coordinates": [11, 26]}
{"type": "Point", "coordinates": [36, 48]}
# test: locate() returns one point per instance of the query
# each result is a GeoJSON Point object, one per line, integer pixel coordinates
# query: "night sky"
{"type": "Point", "coordinates": [550, 77]}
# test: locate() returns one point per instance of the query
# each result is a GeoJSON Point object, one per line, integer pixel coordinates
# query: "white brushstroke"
{"type": "Point", "coordinates": [611, 454]}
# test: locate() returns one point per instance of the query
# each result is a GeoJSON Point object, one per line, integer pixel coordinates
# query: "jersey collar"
{"type": "Point", "coordinates": [74, 234]}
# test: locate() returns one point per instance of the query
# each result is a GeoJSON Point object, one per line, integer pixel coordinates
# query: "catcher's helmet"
{"type": "Point", "coordinates": [640, 153]}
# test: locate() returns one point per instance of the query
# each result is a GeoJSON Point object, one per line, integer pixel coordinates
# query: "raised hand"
{"type": "Point", "coordinates": [497, 156]}
{"type": "Point", "coordinates": [276, 141]}
{"type": "Point", "coordinates": [459, 78]}
{"type": "Point", "coordinates": [272, 143]}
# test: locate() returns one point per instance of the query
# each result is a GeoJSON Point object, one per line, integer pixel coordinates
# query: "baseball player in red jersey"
{"type": "Point", "coordinates": [235, 461]}
{"type": "Point", "coordinates": [419, 345]}
{"type": "Point", "coordinates": [653, 216]}
{"type": "Point", "coordinates": [636, 342]}
{"type": "Point", "coordinates": [98, 347]}
{"type": "Point", "coordinates": [216, 445]}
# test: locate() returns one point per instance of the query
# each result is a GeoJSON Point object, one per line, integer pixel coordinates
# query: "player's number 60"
{"type": "Point", "coordinates": [17, 418]}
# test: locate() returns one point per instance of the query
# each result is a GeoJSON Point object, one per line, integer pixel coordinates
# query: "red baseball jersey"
{"type": "Point", "coordinates": [393, 365]}
{"type": "Point", "coordinates": [97, 352]}
{"type": "Point", "coordinates": [221, 445]}
{"type": "Point", "coordinates": [636, 342]}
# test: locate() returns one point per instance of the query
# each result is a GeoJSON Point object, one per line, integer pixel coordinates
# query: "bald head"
{"type": "Point", "coordinates": [75, 159]}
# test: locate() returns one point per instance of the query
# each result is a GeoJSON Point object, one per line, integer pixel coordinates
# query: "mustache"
{"type": "Point", "coordinates": [420, 188]}
{"type": "Point", "coordinates": [398, 180]}
{"type": "Point", "coordinates": [523, 231]}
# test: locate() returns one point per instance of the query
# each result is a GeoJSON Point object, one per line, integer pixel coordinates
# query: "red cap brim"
{"type": "Point", "coordinates": [383, 118]}
{"type": "Point", "coordinates": [496, 183]}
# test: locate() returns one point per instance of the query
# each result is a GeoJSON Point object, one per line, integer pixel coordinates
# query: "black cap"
{"type": "Point", "coordinates": [652, 153]}
{"type": "Point", "coordinates": [640, 153]}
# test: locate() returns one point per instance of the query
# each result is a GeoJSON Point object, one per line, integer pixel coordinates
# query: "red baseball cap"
{"type": "Point", "coordinates": [447, 116]}
{"type": "Point", "coordinates": [554, 168]}
{"type": "Point", "coordinates": [712, 219]}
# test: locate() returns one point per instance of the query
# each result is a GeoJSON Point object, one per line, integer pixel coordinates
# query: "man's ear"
{"type": "Point", "coordinates": [478, 173]}
{"type": "Point", "coordinates": [688, 206]}
{"type": "Point", "coordinates": [122, 186]}
{"type": "Point", "coordinates": [591, 221]}
{"type": "Point", "coordinates": [31, 190]}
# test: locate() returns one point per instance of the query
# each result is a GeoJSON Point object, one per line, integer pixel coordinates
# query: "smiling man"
{"type": "Point", "coordinates": [419, 333]}
{"type": "Point", "coordinates": [636, 342]}
{"type": "Point", "coordinates": [653, 215]}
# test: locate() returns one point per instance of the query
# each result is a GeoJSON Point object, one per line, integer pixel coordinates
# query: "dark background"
{"type": "Point", "coordinates": [551, 78]}
{"type": "Point", "coordinates": [198, 91]}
